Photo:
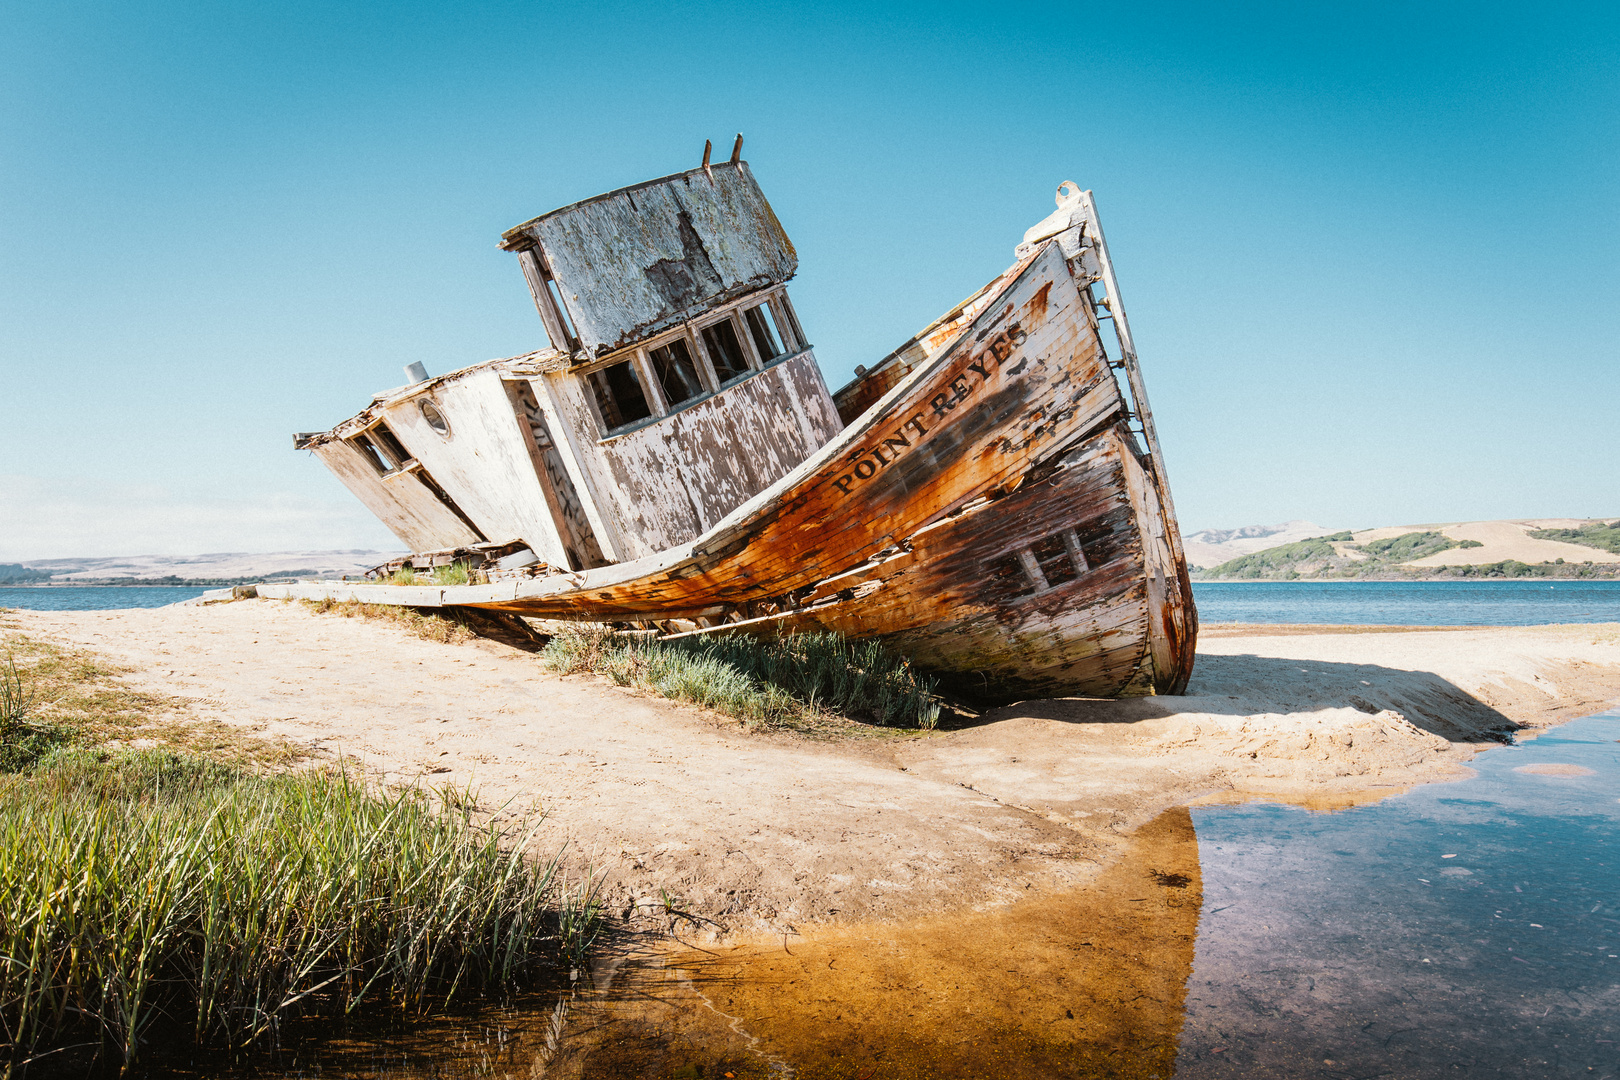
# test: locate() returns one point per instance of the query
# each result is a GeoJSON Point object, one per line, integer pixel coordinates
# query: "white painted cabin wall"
{"type": "Point", "coordinates": [484, 464]}
{"type": "Point", "coordinates": [402, 502]}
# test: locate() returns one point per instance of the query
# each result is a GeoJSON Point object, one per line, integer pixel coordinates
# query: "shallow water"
{"type": "Point", "coordinates": [94, 597]}
{"type": "Point", "coordinates": [1089, 983]}
{"type": "Point", "coordinates": [1409, 603]}
{"type": "Point", "coordinates": [1461, 929]}
{"type": "Point", "coordinates": [1470, 928]}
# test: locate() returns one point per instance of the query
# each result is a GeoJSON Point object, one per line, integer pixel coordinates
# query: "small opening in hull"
{"type": "Point", "coordinates": [381, 448]}
{"type": "Point", "coordinates": [1041, 567]}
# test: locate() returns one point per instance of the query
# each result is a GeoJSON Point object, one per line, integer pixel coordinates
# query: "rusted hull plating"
{"type": "Point", "coordinates": [991, 515]}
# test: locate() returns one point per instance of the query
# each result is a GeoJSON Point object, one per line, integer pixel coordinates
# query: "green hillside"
{"type": "Point", "coordinates": [1600, 535]}
{"type": "Point", "coordinates": [1319, 559]}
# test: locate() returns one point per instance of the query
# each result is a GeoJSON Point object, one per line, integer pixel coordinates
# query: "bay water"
{"type": "Point", "coordinates": [1518, 602]}
{"type": "Point", "coordinates": [93, 597]}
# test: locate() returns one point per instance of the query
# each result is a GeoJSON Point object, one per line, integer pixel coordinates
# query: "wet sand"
{"type": "Point", "coordinates": [763, 835]}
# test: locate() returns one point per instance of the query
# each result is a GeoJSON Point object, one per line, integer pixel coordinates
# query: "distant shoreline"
{"type": "Point", "coordinates": [143, 583]}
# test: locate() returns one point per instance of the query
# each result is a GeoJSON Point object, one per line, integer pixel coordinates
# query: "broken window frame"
{"type": "Point", "coordinates": [772, 326]}
{"type": "Point", "coordinates": [382, 448]}
{"type": "Point", "coordinates": [548, 300]}
{"type": "Point", "coordinates": [692, 333]}
{"type": "Point", "coordinates": [641, 373]}
{"type": "Point", "coordinates": [750, 356]}
{"type": "Point", "coordinates": [787, 322]}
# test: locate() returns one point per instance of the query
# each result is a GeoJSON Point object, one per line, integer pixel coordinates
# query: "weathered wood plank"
{"type": "Point", "coordinates": [410, 510]}
{"type": "Point", "coordinates": [641, 260]}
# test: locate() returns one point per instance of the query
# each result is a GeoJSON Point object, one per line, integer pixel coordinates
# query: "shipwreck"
{"type": "Point", "coordinates": [989, 499]}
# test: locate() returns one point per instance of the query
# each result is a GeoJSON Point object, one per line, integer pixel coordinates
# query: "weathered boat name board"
{"type": "Point", "coordinates": [867, 460]}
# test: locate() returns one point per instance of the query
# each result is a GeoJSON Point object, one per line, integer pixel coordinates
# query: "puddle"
{"type": "Point", "coordinates": [1460, 929]}
{"type": "Point", "coordinates": [1470, 928]}
{"type": "Point", "coordinates": [1083, 984]}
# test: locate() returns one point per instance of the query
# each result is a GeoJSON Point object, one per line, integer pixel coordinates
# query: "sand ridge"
{"type": "Point", "coordinates": [769, 831]}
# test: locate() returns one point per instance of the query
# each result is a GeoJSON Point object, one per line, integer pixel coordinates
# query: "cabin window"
{"type": "Point", "coordinates": [389, 445]}
{"type": "Point", "coordinates": [677, 373]}
{"type": "Point", "coordinates": [619, 394]}
{"type": "Point", "coordinates": [725, 351]}
{"type": "Point", "coordinates": [762, 328]}
{"type": "Point", "coordinates": [372, 454]}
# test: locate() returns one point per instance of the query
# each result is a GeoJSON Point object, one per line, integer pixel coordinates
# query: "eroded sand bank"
{"type": "Point", "coordinates": [768, 832]}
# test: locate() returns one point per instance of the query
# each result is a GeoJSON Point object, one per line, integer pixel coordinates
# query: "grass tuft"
{"type": "Point", "coordinates": [459, 572]}
{"type": "Point", "coordinates": [798, 680]}
{"type": "Point", "coordinates": [23, 739]}
{"type": "Point", "coordinates": [456, 573]}
{"type": "Point", "coordinates": [145, 895]}
{"type": "Point", "coordinates": [423, 624]}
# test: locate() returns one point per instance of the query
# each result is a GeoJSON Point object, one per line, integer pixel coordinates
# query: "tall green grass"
{"type": "Point", "coordinates": [144, 893]}
{"type": "Point", "coordinates": [787, 680]}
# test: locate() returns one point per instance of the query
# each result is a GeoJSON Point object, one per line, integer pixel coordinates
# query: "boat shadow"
{"type": "Point", "coordinates": [1247, 684]}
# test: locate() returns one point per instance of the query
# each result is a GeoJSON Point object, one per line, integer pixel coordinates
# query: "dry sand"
{"type": "Point", "coordinates": [769, 831]}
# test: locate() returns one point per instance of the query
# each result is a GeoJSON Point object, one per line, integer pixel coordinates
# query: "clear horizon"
{"type": "Point", "coordinates": [1370, 256]}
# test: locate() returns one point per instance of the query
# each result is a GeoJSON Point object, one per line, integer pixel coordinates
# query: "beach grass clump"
{"type": "Point", "coordinates": [459, 572]}
{"type": "Point", "coordinates": [424, 624]}
{"type": "Point", "coordinates": [147, 896]}
{"type": "Point", "coordinates": [796, 680]}
{"type": "Point", "coordinates": [405, 575]}
{"type": "Point", "coordinates": [24, 738]}
{"type": "Point", "coordinates": [456, 573]}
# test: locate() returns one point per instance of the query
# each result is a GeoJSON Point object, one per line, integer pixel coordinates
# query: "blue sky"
{"type": "Point", "coordinates": [1371, 253]}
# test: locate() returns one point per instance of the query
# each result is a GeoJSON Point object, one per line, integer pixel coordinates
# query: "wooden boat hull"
{"type": "Point", "coordinates": [991, 515]}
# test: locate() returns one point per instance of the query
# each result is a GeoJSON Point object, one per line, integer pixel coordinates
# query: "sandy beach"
{"type": "Point", "coordinates": [764, 832]}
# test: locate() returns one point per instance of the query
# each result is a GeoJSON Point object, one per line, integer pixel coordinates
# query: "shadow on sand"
{"type": "Point", "coordinates": [1246, 684]}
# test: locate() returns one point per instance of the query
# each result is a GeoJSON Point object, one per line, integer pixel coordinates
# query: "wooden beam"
{"type": "Point", "coordinates": [1133, 374]}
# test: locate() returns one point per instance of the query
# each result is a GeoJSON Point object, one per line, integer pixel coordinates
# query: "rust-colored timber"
{"type": "Point", "coordinates": [1010, 436]}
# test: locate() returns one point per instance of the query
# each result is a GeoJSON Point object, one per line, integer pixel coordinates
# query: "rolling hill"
{"type": "Point", "coordinates": [1547, 547]}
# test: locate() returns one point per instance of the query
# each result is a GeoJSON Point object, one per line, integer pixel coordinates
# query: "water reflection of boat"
{"type": "Point", "coordinates": [989, 498]}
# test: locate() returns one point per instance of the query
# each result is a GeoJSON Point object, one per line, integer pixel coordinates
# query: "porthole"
{"type": "Point", "coordinates": [435, 419]}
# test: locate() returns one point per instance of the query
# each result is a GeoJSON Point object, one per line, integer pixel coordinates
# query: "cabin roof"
{"type": "Point", "coordinates": [528, 363]}
{"type": "Point", "coordinates": [637, 261]}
